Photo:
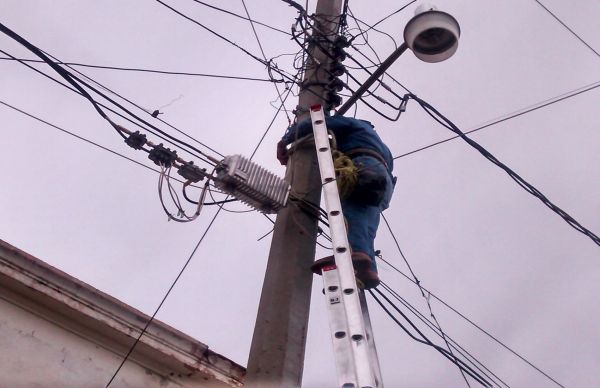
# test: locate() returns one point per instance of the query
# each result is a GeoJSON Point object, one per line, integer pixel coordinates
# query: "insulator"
{"type": "Point", "coordinates": [336, 84]}
{"type": "Point", "coordinates": [333, 100]}
{"type": "Point", "coordinates": [337, 69]}
{"type": "Point", "coordinates": [341, 41]}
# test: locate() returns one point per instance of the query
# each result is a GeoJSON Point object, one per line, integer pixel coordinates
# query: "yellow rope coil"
{"type": "Point", "coordinates": [346, 173]}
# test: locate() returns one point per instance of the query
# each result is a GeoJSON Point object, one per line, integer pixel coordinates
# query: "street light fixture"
{"type": "Point", "coordinates": [432, 35]}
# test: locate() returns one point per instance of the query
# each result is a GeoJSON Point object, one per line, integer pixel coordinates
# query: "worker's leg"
{"type": "Point", "coordinates": [360, 230]}
{"type": "Point", "coordinates": [362, 212]}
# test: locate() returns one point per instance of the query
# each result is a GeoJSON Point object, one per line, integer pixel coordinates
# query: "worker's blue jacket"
{"type": "Point", "coordinates": [349, 133]}
{"type": "Point", "coordinates": [362, 216]}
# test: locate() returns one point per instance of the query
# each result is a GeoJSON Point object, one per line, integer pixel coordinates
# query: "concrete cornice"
{"type": "Point", "coordinates": [95, 315]}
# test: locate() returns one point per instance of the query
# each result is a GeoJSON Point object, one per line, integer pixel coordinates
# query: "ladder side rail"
{"type": "Point", "coordinates": [341, 249]}
{"type": "Point", "coordinates": [342, 347]}
{"type": "Point", "coordinates": [374, 358]}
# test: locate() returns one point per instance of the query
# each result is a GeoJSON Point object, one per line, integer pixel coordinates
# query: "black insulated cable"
{"type": "Point", "coordinates": [437, 116]}
{"type": "Point", "coordinates": [433, 327]}
{"type": "Point", "coordinates": [107, 108]}
{"type": "Point", "coordinates": [511, 116]}
{"type": "Point", "coordinates": [474, 324]}
{"type": "Point", "coordinates": [76, 82]}
{"type": "Point", "coordinates": [155, 71]}
{"type": "Point", "coordinates": [63, 73]}
{"type": "Point", "coordinates": [241, 17]}
{"type": "Point", "coordinates": [136, 105]}
{"type": "Point", "coordinates": [424, 340]}
{"type": "Point", "coordinates": [568, 28]}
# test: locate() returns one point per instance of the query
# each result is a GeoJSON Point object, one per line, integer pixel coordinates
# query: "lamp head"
{"type": "Point", "coordinates": [431, 34]}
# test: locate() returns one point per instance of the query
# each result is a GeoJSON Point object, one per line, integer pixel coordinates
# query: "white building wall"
{"type": "Point", "coordinates": [37, 353]}
{"type": "Point", "coordinates": [56, 331]}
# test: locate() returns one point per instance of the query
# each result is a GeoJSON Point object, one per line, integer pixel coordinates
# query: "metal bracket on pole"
{"type": "Point", "coordinates": [351, 348]}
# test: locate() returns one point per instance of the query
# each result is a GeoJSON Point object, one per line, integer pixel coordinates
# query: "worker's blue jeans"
{"type": "Point", "coordinates": [362, 219]}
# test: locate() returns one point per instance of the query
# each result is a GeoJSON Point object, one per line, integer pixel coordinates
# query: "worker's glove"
{"type": "Point", "coordinates": [282, 153]}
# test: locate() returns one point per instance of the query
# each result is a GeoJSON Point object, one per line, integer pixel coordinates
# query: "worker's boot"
{"type": "Point", "coordinates": [360, 262]}
{"type": "Point", "coordinates": [366, 277]}
{"type": "Point", "coordinates": [364, 270]}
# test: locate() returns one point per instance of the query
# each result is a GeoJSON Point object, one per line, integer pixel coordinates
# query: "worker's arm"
{"type": "Point", "coordinates": [337, 124]}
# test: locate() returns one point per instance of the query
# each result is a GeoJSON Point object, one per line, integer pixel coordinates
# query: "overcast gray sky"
{"type": "Point", "coordinates": [472, 235]}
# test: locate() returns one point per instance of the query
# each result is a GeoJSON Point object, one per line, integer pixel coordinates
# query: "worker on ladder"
{"type": "Point", "coordinates": [364, 167]}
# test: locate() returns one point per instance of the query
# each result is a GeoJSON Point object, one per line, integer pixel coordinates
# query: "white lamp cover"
{"type": "Point", "coordinates": [432, 35]}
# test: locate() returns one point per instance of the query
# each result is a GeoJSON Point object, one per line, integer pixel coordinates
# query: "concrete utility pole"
{"type": "Point", "coordinates": [279, 340]}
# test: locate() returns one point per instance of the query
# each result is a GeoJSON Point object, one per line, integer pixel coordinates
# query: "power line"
{"type": "Point", "coordinates": [262, 51]}
{"type": "Point", "coordinates": [418, 283]}
{"type": "Point", "coordinates": [372, 27]}
{"type": "Point", "coordinates": [77, 136]}
{"type": "Point", "coordinates": [62, 72]}
{"type": "Point", "coordinates": [510, 116]}
{"type": "Point", "coordinates": [416, 280]}
{"type": "Point", "coordinates": [85, 139]}
{"type": "Point", "coordinates": [357, 21]}
{"type": "Point", "coordinates": [424, 340]}
{"type": "Point", "coordinates": [271, 123]}
{"type": "Point", "coordinates": [284, 74]}
{"type": "Point", "coordinates": [365, 37]}
{"type": "Point", "coordinates": [135, 69]}
{"type": "Point", "coordinates": [218, 35]}
{"type": "Point", "coordinates": [472, 322]}
{"type": "Point", "coordinates": [390, 15]}
{"type": "Point", "coordinates": [106, 107]}
{"type": "Point", "coordinates": [461, 350]}
{"type": "Point", "coordinates": [303, 13]}
{"type": "Point", "coordinates": [444, 121]}
{"type": "Point", "coordinates": [241, 17]}
{"type": "Point", "coordinates": [289, 77]}
{"type": "Point", "coordinates": [221, 207]}
{"type": "Point", "coordinates": [137, 340]}
{"type": "Point", "coordinates": [75, 81]}
{"type": "Point", "coordinates": [567, 27]}
{"type": "Point", "coordinates": [141, 108]}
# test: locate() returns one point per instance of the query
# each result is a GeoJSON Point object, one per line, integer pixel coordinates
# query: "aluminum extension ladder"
{"type": "Point", "coordinates": [356, 358]}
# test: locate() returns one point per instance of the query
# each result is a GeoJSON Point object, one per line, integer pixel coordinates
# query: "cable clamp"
{"type": "Point", "coordinates": [404, 102]}
{"type": "Point", "coordinates": [191, 172]}
{"type": "Point", "coordinates": [136, 140]}
{"type": "Point", "coordinates": [162, 156]}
